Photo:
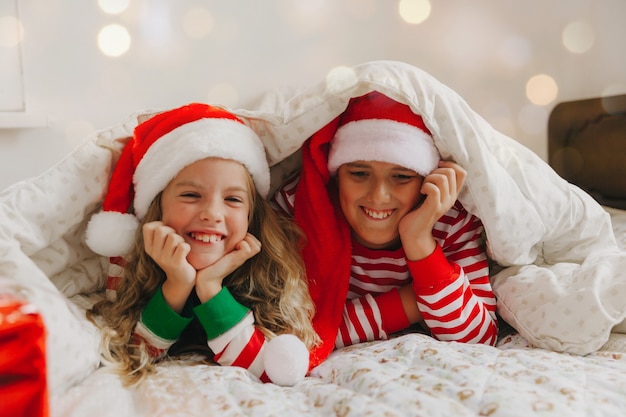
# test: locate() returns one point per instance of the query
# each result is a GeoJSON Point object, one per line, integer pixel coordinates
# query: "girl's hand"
{"type": "Point", "coordinates": [209, 280]}
{"type": "Point", "coordinates": [169, 250]}
{"type": "Point", "coordinates": [441, 189]}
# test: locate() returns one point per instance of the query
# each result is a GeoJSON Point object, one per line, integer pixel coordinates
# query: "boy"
{"type": "Point", "coordinates": [388, 244]}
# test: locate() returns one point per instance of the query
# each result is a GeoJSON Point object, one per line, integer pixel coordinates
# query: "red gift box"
{"type": "Point", "coordinates": [23, 386]}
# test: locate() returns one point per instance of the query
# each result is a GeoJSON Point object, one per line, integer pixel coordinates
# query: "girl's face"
{"type": "Point", "coordinates": [374, 196]}
{"type": "Point", "coordinates": [208, 204]}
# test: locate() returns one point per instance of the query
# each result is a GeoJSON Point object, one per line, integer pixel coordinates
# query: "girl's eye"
{"type": "Point", "coordinates": [190, 195]}
{"type": "Point", "coordinates": [234, 199]}
{"type": "Point", "coordinates": [358, 173]}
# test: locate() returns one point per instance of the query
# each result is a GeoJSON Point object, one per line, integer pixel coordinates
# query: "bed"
{"type": "Point", "coordinates": [558, 252]}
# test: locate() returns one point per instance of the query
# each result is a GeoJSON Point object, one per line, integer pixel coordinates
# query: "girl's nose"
{"type": "Point", "coordinates": [211, 212]}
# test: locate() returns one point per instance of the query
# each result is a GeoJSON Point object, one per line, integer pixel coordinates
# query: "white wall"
{"type": "Point", "coordinates": [486, 50]}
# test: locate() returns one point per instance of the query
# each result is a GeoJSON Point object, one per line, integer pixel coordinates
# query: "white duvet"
{"type": "Point", "coordinates": [560, 281]}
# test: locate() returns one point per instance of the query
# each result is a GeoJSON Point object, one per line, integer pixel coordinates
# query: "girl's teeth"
{"type": "Point", "coordinates": [206, 238]}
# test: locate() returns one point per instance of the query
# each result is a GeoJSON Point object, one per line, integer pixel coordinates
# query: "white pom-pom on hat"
{"type": "Point", "coordinates": [160, 148]}
{"type": "Point", "coordinates": [286, 360]}
{"type": "Point", "coordinates": [110, 233]}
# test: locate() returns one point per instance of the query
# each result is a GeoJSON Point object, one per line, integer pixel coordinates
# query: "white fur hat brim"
{"type": "Point", "coordinates": [383, 140]}
{"type": "Point", "coordinates": [191, 142]}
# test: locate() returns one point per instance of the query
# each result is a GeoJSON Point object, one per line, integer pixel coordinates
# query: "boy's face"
{"type": "Point", "coordinates": [374, 196]}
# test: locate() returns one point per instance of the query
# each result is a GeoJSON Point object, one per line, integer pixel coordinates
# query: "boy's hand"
{"type": "Point", "coordinates": [441, 189]}
{"type": "Point", "coordinates": [209, 280]}
{"type": "Point", "coordinates": [169, 250]}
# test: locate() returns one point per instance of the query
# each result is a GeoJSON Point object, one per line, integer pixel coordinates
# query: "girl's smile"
{"type": "Point", "coordinates": [208, 204]}
{"type": "Point", "coordinates": [206, 238]}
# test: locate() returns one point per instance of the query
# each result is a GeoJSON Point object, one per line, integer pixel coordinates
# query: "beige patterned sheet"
{"type": "Point", "coordinates": [412, 375]}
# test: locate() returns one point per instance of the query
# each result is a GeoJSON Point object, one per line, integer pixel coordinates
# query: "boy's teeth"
{"type": "Point", "coordinates": [378, 214]}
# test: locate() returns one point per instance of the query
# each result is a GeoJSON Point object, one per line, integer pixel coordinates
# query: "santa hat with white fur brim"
{"type": "Point", "coordinates": [377, 129]}
{"type": "Point", "coordinates": [160, 148]}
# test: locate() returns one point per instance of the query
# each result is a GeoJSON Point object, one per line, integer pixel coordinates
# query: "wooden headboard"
{"type": "Point", "coordinates": [587, 146]}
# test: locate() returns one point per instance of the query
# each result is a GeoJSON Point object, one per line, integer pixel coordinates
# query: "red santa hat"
{"type": "Point", "coordinates": [160, 148]}
{"type": "Point", "coordinates": [376, 128]}
{"type": "Point", "coordinates": [372, 128]}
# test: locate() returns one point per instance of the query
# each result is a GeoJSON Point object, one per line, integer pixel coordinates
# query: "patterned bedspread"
{"type": "Point", "coordinates": [412, 375]}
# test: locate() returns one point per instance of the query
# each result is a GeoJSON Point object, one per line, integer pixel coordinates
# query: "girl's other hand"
{"type": "Point", "coordinates": [169, 250]}
{"type": "Point", "coordinates": [209, 279]}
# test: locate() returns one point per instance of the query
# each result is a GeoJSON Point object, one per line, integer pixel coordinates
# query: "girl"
{"type": "Point", "coordinates": [388, 244]}
{"type": "Point", "coordinates": [211, 263]}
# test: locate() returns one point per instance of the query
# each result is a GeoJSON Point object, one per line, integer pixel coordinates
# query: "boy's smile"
{"type": "Point", "coordinates": [378, 214]}
{"type": "Point", "coordinates": [374, 197]}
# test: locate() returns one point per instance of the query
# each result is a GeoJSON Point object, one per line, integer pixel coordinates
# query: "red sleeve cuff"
{"type": "Point", "coordinates": [392, 312]}
{"type": "Point", "coordinates": [434, 271]}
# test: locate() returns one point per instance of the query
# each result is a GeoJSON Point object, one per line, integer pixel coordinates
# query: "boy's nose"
{"type": "Point", "coordinates": [379, 192]}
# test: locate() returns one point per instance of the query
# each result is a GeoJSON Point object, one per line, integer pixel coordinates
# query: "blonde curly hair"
{"type": "Point", "coordinates": [272, 284]}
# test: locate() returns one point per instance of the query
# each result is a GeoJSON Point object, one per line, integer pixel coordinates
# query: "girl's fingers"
{"type": "Point", "coordinates": [249, 247]}
{"type": "Point", "coordinates": [161, 241]}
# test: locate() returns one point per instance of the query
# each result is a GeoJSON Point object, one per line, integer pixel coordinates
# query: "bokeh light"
{"type": "Point", "coordinates": [578, 37]}
{"type": "Point", "coordinates": [11, 31]}
{"type": "Point", "coordinates": [198, 22]}
{"type": "Point", "coordinates": [541, 89]}
{"type": "Point", "coordinates": [414, 11]}
{"type": "Point", "coordinates": [613, 90]}
{"type": "Point", "coordinates": [113, 6]}
{"type": "Point", "coordinates": [114, 40]}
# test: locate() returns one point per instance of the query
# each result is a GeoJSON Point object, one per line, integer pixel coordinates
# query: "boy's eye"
{"type": "Point", "coordinates": [358, 173]}
{"type": "Point", "coordinates": [404, 177]}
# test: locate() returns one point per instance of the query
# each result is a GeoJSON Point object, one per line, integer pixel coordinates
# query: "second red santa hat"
{"type": "Point", "coordinates": [376, 128]}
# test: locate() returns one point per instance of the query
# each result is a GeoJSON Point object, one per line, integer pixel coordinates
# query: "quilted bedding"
{"type": "Point", "coordinates": [559, 278]}
{"type": "Point", "coordinates": [412, 375]}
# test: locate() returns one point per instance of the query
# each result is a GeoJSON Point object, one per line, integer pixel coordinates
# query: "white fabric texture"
{"type": "Point", "coordinates": [563, 279]}
{"type": "Point", "coordinates": [43, 257]}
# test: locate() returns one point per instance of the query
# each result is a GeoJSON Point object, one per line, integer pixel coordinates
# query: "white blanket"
{"type": "Point", "coordinates": [562, 283]}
